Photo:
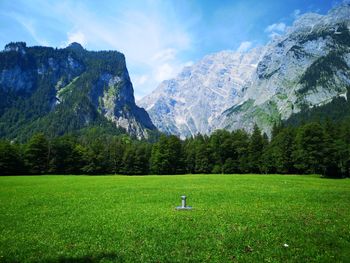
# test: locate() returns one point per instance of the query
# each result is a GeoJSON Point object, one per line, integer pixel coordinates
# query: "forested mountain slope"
{"type": "Point", "coordinates": [56, 91]}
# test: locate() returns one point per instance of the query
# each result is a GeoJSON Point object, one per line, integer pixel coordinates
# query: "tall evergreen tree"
{"type": "Point", "coordinates": [141, 162]}
{"type": "Point", "coordinates": [277, 157]}
{"type": "Point", "coordinates": [203, 162]}
{"type": "Point", "coordinates": [62, 159]}
{"type": "Point", "coordinates": [80, 157]}
{"type": "Point", "coordinates": [241, 142]}
{"type": "Point", "coordinates": [11, 162]}
{"type": "Point", "coordinates": [128, 161]}
{"type": "Point", "coordinates": [116, 149]}
{"type": "Point", "coordinates": [309, 152]}
{"type": "Point", "coordinates": [221, 149]}
{"type": "Point", "coordinates": [167, 157]}
{"type": "Point", "coordinates": [37, 154]}
{"type": "Point", "coordinates": [189, 152]}
{"type": "Point", "coordinates": [255, 150]}
{"type": "Point", "coordinates": [159, 159]}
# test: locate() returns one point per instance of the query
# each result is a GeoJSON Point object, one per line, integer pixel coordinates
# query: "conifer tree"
{"type": "Point", "coordinates": [36, 154]}
{"type": "Point", "coordinates": [309, 153]}
{"type": "Point", "coordinates": [11, 162]}
{"type": "Point", "coordinates": [255, 150]}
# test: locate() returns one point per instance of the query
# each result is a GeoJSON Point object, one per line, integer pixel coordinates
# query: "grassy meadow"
{"type": "Point", "coordinates": [236, 218]}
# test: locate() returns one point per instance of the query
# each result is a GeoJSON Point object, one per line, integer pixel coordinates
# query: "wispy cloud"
{"type": "Point", "coordinates": [149, 34]}
{"type": "Point", "coordinates": [167, 64]}
{"type": "Point", "coordinates": [245, 46]}
{"type": "Point", "coordinates": [76, 36]}
{"type": "Point", "coordinates": [296, 13]}
{"type": "Point", "coordinates": [29, 25]}
{"type": "Point", "coordinates": [157, 37]}
{"type": "Point", "coordinates": [165, 55]}
{"type": "Point", "coordinates": [140, 80]}
{"type": "Point", "coordinates": [276, 29]}
{"type": "Point", "coordinates": [150, 42]}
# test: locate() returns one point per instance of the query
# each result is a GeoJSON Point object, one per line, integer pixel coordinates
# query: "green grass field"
{"type": "Point", "coordinates": [237, 218]}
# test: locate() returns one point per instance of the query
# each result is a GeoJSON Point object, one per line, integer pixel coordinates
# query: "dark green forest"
{"type": "Point", "coordinates": [312, 148]}
{"type": "Point", "coordinates": [67, 134]}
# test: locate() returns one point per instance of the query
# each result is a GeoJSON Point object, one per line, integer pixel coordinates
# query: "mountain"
{"type": "Point", "coordinates": [194, 100]}
{"type": "Point", "coordinates": [56, 91]}
{"type": "Point", "coordinates": [305, 68]}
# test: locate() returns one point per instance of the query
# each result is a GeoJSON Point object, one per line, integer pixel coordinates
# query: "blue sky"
{"type": "Point", "coordinates": [157, 37]}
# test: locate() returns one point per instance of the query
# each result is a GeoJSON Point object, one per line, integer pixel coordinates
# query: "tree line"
{"type": "Point", "coordinates": [312, 148]}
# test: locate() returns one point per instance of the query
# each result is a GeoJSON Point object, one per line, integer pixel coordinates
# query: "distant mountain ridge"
{"type": "Point", "coordinates": [56, 91]}
{"type": "Point", "coordinates": [193, 102]}
{"type": "Point", "coordinates": [306, 67]}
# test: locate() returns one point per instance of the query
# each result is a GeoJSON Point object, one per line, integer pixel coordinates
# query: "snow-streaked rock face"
{"type": "Point", "coordinates": [192, 102]}
{"type": "Point", "coordinates": [307, 66]}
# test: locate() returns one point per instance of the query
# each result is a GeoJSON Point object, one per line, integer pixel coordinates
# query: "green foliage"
{"type": "Point", "coordinates": [11, 161]}
{"type": "Point", "coordinates": [221, 146]}
{"type": "Point", "coordinates": [338, 110]}
{"type": "Point", "coordinates": [203, 162]}
{"type": "Point", "coordinates": [322, 70]}
{"type": "Point", "coordinates": [315, 147]}
{"type": "Point", "coordinates": [243, 107]}
{"type": "Point", "coordinates": [63, 159]}
{"type": "Point", "coordinates": [277, 157]}
{"type": "Point", "coordinates": [135, 160]}
{"type": "Point", "coordinates": [309, 149]}
{"type": "Point", "coordinates": [255, 150]}
{"type": "Point", "coordinates": [166, 157]}
{"type": "Point", "coordinates": [37, 154]}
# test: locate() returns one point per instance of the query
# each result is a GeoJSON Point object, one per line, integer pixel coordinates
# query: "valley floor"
{"type": "Point", "coordinates": [236, 218]}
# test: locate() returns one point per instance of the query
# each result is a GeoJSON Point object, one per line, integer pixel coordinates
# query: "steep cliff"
{"type": "Point", "coordinates": [62, 90]}
{"type": "Point", "coordinates": [193, 102]}
{"type": "Point", "coordinates": [308, 66]}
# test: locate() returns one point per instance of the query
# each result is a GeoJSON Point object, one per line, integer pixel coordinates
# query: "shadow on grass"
{"type": "Point", "coordinates": [103, 257]}
{"type": "Point", "coordinates": [113, 257]}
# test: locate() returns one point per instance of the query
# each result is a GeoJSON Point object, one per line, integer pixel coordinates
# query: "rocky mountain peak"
{"type": "Point", "coordinates": [312, 21]}
{"type": "Point", "coordinates": [192, 102]}
{"type": "Point", "coordinates": [303, 68]}
{"type": "Point", "coordinates": [75, 46]}
{"type": "Point", "coordinates": [340, 12]}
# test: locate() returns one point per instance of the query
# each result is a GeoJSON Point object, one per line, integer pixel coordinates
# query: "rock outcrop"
{"type": "Point", "coordinates": [307, 66]}
{"type": "Point", "coordinates": [62, 90]}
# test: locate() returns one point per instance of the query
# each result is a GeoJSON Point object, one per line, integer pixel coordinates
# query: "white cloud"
{"type": "Point", "coordinates": [244, 46]}
{"type": "Point", "coordinates": [165, 55]}
{"type": "Point", "coordinates": [168, 66]}
{"type": "Point", "coordinates": [76, 36]}
{"type": "Point", "coordinates": [274, 34]}
{"type": "Point", "coordinates": [150, 34]}
{"type": "Point", "coordinates": [277, 27]}
{"type": "Point", "coordinates": [140, 79]}
{"type": "Point", "coordinates": [150, 40]}
{"type": "Point", "coordinates": [164, 71]}
{"type": "Point", "coordinates": [296, 13]}
{"type": "Point", "coordinates": [187, 64]}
